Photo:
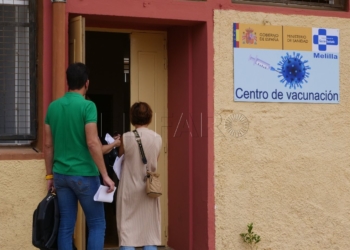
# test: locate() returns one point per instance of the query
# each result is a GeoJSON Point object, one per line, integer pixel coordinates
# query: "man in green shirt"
{"type": "Point", "coordinates": [74, 160]}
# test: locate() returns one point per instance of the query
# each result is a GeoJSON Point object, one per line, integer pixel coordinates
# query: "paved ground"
{"type": "Point", "coordinates": [140, 248]}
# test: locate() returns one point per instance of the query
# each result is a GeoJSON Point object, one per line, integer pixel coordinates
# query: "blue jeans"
{"type": "Point", "coordinates": [144, 248]}
{"type": "Point", "coordinates": [69, 190]}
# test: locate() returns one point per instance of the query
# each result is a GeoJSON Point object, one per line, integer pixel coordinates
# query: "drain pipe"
{"type": "Point", "coordinates": [58, 48]}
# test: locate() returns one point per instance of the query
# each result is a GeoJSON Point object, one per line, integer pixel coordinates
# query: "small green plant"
{"type": "Point", "coordinates": [250, 237]}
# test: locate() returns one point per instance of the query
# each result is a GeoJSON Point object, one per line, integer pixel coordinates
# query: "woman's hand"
{"type": "Point", "coordinates": [117, 142]}
{"type": "Point", "coordinates": [108, 148]}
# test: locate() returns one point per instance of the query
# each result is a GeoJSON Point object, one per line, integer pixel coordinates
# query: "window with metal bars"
{"type": "Point", "coordinates": [17, 71]}
{"type": "Point", "coordinates": [330, 4]}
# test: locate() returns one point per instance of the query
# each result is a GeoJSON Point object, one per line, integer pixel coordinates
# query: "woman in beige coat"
{"type": "Point", "coordinates": [138, 216]}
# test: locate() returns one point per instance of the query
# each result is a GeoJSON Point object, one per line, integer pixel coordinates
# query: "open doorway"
{"type": "Point", "coordinates": [107, 58]}
{"type": "Point", "coordinates": [125, 67]}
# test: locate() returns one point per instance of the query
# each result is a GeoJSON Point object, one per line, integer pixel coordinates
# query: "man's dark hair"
{"type": "Point", "coordinates": [77, 75]}
{"type": "Point", "coordinates": [140, 113]}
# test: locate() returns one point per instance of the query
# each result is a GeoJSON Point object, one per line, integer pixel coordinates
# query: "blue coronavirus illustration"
{"type": "Point", "coordinates": [292, 69]}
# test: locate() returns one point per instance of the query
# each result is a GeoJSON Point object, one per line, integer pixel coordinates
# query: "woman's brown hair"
{"type": "Point", "coordinates": [140, 114]}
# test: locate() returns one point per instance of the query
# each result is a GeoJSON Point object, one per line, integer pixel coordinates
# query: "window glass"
{"type": "Point", "coordinates": [17, 71]}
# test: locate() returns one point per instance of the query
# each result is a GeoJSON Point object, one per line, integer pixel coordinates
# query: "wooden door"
{"type": "Point", "coordinates": [148, 83]}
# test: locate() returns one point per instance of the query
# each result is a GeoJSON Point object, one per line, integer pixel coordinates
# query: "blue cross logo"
{"type": "Point", "coordinates": [323, 40]}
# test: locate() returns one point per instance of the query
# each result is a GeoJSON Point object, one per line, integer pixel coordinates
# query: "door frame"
{"type": "Point", "coordinates": [190, 160]}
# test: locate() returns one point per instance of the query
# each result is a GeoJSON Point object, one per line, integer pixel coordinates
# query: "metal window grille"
{"type": "Point", "coordinates": [17, 70]}
{"type": "Point", "coordinates": [333, 4]}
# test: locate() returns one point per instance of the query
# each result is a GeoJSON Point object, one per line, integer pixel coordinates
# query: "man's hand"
{"type": "Point", "coordinates": [50, 186]}
{"type": "Point", "coordinates": [109, 183]}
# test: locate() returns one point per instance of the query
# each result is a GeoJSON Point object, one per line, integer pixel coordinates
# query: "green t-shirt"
{"type": "Point", "coordinates": [67, 117]}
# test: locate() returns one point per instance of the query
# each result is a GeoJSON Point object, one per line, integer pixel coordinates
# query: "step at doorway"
{"type": "Point", "coordinates": [140, 248]}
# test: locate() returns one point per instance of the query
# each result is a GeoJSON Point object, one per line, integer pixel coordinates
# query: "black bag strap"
{"type": "Point", "coordinates": [143, 156]}
{"type": "Point", "coordinates": [53, 239]}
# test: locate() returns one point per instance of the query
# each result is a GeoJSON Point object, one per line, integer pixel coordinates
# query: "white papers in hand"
{"type": "Point", "coordinates": [102, 195]}
{"type": "Point", "coordinates": [109, 139]}
{"type": "Point", "coordinates": [117, 166]}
